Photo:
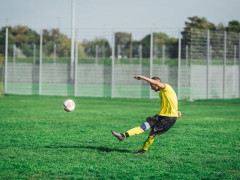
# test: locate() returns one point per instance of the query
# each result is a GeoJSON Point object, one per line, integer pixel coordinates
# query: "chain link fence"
{"type": "Point", "coordinates": [198, 64]}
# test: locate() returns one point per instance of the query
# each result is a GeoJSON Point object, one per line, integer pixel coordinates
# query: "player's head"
{"type": "Point", "coordinates": [153, 87]}
{"type": "Point", "coordinates": [157, 78]}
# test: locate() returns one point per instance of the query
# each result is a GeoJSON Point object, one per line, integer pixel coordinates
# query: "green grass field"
{"type": "Point", "coordinates": [38, 139]}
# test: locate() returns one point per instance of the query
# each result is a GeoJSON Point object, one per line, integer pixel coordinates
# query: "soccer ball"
{"type": "Point", "coordinates": [69, 105]}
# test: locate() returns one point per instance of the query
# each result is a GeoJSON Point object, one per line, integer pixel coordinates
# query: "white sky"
{"type": "Point", "coordinates": [101, 16]}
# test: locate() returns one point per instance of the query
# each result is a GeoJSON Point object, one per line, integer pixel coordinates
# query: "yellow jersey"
{"type": "Point", "coordinates": [169, 102]}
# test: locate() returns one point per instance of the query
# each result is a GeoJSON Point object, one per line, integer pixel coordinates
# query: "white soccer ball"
{"type": "Point", "coordinates": [69, 105]}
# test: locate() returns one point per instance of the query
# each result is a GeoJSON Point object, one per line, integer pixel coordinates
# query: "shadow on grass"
{"type": "Point", "coordinates": [102, 149]}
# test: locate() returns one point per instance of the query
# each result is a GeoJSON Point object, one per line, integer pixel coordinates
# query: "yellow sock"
{"type": "Point", "coordinates": [135, 131]}
{"type": "Point", "coordinates": [148, 143]}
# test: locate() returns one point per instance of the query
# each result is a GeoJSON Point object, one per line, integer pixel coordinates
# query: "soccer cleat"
{"type": "Point", "coordinates": [120, 136]}
{"type": "Point", "coordinates": [140, 152]}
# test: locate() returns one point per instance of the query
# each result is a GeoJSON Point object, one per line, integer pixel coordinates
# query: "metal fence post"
{"type": "Point", "coordinates": [186, 56]}
{"type": "Point", "coordinates": [54, 53]}
{"type": "Point", "coordinates": [190, 66]}
{"type": "Point", "coordinates": [72, 40]}
{"type": "Point", "coordinates": [34, 54]}
{"type": "Point", "coordinates": [40, 65]}
{"type": "Point", "coordinates": [96, 63]}
{"type": "Point", "coordinates": [14, 53]}
{"type": "Point", "coordinates": [76, 70]}
{"type": "Point", "coordinates": [6, 61]}
{"type": "Point", "coordinates": [208, 55]}
{"type": "Point", "coordinates": [54, 60]}
{"type": "Point", "coordinates": [140, 67]}
{"type": "Point", "coordinates": [113, 59]}
{"type": "Point", "coordinates": [33, 70]}
{"type": "Point", "coordinates": [151, 61]}
{"type": "Point", "coordinates": [239, 65]}
{"type": "Point", "coordinates": [234, 71]}
{"type": "Point", "coordinates": [224, 62]}
{"type": "Point", "coordinates": [14, 61]}
{"type": "Point", "coordinates": [163, 54]}
{"type": "Point", "coordinates": [155, 54]}
{"type": "Point", "coordinates": [179, 64]}
{"type": "Point", "coordinates": [140, 56]}
{"type": "Point", "coordinates": [96, 54]}
{"type": "Point", "coordinates": [118, 51]}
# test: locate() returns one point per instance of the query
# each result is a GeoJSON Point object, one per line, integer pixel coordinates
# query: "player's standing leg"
{"type": "Point", "coordinates": [147, 143]}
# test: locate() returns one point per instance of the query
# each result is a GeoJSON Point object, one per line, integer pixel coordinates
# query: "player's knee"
{"type": "Point", "coordinates": [145, 126]}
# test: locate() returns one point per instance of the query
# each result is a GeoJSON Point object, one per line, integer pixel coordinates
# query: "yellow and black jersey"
{"type": "Point", "coordinates": [169, 102]}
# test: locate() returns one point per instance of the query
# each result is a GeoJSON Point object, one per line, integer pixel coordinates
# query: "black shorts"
{"type": "Point", "coordinates": [160, 124]}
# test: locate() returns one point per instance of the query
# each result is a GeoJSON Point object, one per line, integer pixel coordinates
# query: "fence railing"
{"type": "Point", "coordinates": [206, 66]}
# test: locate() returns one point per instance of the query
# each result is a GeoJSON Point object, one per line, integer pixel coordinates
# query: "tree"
{"type": "Point", "coordinates": [145, 42]}
{"type": "Point", "coordinates": [199, 23]}
{"type": "Point", "coordinates": [233, 30]}
{"type": "Point", "coordinates": [233, 26]}
{"type": "Point", "coordinates": [159, 39]}
{"type": "Point", "coordinates": [195, 34]}
{"type": "Point", "coordinates": [123, 43]}
{"type": "Point", "coordinates": [196, 24]}
{"type": "Point", "coordinates": [101, 44]}
{"type": "Point", "coordinates": [22, 36]}
{"type": "Point", "coordinates": [220, 27]}
{"type": "Point", "coordinates": [55, 37]}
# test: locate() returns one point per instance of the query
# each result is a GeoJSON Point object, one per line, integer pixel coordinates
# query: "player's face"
{"type": "Point", "coordinates": [153, 87]}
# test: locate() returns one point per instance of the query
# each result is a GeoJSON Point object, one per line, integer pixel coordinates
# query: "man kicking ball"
{"type": "Point", "coordinates": [159, 123]}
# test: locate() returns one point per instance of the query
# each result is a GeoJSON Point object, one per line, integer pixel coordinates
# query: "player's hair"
{"type": "Point", "coordinates": [156, 78]}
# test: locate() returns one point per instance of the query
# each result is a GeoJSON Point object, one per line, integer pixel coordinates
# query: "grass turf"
{"type": "Point", "coordinates": [39, 140]}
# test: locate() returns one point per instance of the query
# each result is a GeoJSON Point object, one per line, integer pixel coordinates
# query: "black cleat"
{"type": "Point", "coordinates": [140, 152]}
{"type": "Point", "coordinates": [120, 136]}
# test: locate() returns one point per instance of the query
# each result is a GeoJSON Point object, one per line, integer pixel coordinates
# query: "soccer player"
{"type": "Point", "coordinates": [161, 122]}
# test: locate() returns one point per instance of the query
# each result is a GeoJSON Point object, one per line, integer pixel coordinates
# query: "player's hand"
{"type": "Point", "coordinates": [138, 77]}
{"type": "Point", "coordinates": [179, 114]}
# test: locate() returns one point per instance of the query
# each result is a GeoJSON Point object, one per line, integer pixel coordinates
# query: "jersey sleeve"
{"type": "Point", "coordinates": [167, 87]}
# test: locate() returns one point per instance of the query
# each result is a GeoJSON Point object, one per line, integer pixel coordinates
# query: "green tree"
{"type": "Point", "coordinates": [160, 39]}
{"type": "Point", "coordinates": [22, 36]}
{"type": "Point", "coordinates": [101, 45]}
{"type": "Point", "coordinates": [220, 27]}
{"type": "Point", "coordinates": [233, 30]}
{"type": "Point", "coordinates": [123, 41]}
{"type": "Point", "coordinates": [233, 26]}
{"type": "Point", "coordinates": [196, 24]}
{"type": "Point", "coordinates": [55, 37]}
{"type": "Point", "coordinates": [195, 34]}
{"type": "Point", "coordinates": [145, 42]}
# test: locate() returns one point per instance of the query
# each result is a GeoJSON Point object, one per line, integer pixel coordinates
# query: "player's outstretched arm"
{"type": "Point", "coordinates": [151, 81]}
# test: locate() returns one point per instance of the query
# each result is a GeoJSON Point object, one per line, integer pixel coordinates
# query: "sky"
{"type": "Point", "coordinates": [95, 17]}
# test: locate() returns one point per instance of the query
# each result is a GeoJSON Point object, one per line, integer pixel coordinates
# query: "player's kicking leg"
{"type": "Point", "coordinates": [135, 131]}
